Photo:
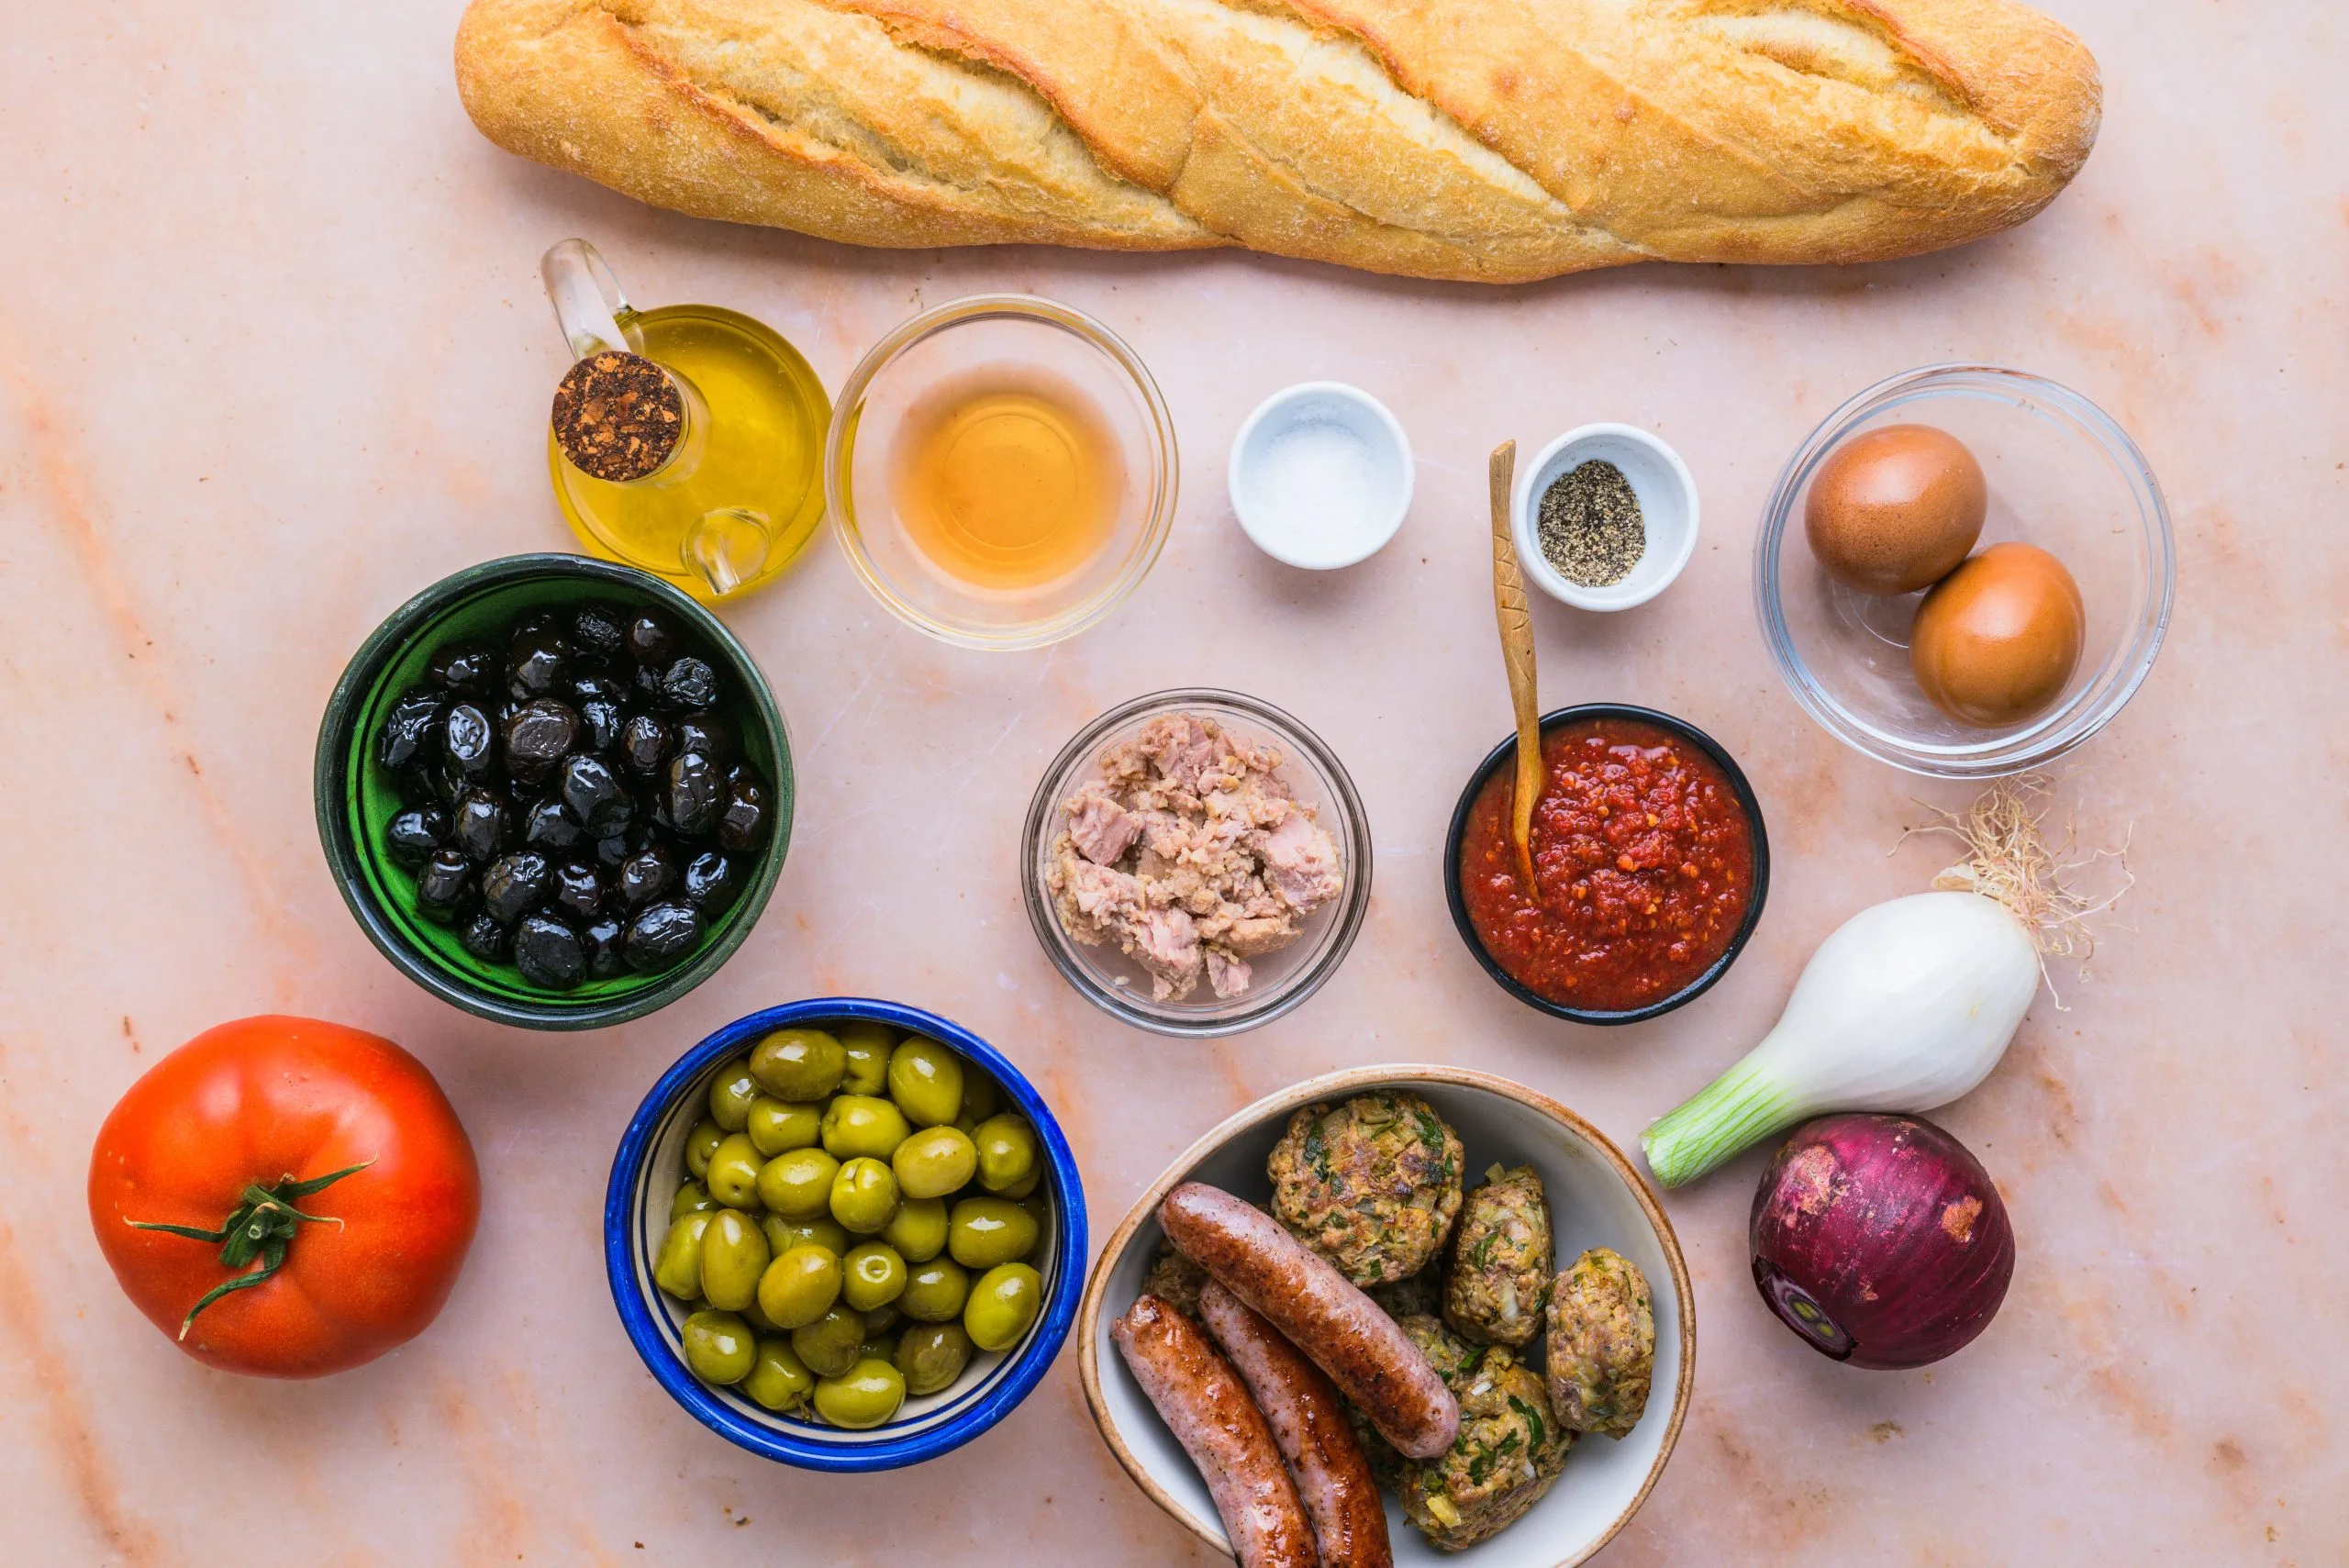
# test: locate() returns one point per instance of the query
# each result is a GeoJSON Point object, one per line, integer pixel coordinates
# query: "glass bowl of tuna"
{"type": "Point", "coordinates": [1196, 862]}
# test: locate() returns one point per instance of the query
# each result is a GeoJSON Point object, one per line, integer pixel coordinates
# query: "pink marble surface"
{"type": "Point", "coordinates": [272, 356]}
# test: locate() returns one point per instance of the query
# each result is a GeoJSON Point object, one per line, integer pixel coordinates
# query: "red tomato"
{"type": "Point", "coordinates": [229, 1126]}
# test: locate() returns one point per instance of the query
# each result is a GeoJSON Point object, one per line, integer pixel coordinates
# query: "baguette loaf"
{"type": "Point", "coordinates": [1485, 140]}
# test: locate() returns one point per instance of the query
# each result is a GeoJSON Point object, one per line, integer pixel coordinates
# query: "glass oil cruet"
{"type": "Point", "coordinates": [684, 439]}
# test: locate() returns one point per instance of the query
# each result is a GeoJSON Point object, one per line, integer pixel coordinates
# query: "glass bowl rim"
{"type": "Point", "coordinates": [848, 412]}
{"type": "Point", "coordinates": [1739, 786]}
{"type": "Point", "coordinates": [623, 1209]}
{"type": "Point", "coordinates": [2034, 748]}
{"type": "Point", "coordinates": [1310, 976]}
{"type": "Point", "coordinates": [383, 648]}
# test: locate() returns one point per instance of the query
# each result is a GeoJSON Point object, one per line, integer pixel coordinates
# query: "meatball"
{"type": "Point", "coordinates": [1501, 1260]}
{"type": "Point", "coordinates": [1373, 1185]}
{"type": "Point", "coordinates": [1420, 1295]}
{"type": "Point", "coordinates": [1602, 1343]}
{"type": "Point", "coordinates": [1175, 1280]}
{"type": "Point", "coordinates": [1509, 1452]}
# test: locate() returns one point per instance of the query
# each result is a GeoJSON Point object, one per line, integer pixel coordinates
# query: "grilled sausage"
{"type": "Point", "coordinates": [1368, 1358]}
{"type": "Point", "coordinates": [1209, 1414]}
{"type": "Point", "coordinates": [1324, 1457]}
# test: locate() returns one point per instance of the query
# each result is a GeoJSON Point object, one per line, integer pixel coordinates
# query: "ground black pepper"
{"type": "Point", "coordinates": [1591, 525]}
{"type": "Point", "coordinates": [618, 415]}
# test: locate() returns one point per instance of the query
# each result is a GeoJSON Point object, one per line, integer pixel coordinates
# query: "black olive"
{"type": "Point", "coordinates": [537, 662]}
{"type": "Point", "coordinates": [611, 852]}
{"type": "Point", "coordinates": [646, 874]}
{"type": "Point", "coordinates": [548, 825]}
{"type": "Point", "coordinates": [650, 640]}
{"type": "Point", "coordinates": [595, 798]}
{"type": "Point", "coordinates": [590, 682]}
{"type": "Point", "coordinates": [600, 725]}
{"type": "Point", "coordinates": [605, 937]}
{"type": "Point", "coordinates": [549, 953]}
{"type": "Point", "coordinates": [711, 883]}
{"type": "Point", "coordinates": [407, 729]}
{"type": "Point", "coordinates": [467, 740]}
{"type": "Point", "coordinates": [465, 667]}
{"type": "Point", "coordinates": [539, 735]}
{"type": "Point", "coordinates": [646, 685]}
{"type": "Point", "coordinates": [690, 682]}
{"type": "Point", "coordinates": [444, 888]}
{"type": "Point", "coordinates": [708, 734]}
{"type": "Point", "coordinates": [416, 833]}
{"type": "Point", "coordinates": [645, 743]}
{"type": "Point", "coordinates": [598, 628]}
{"type": "Point", "coordinates": [696, 794]}
{"type": "Point", "coordinates": [578, 891]}
{"type": "Point", "coordinates": [661, 935]}
{"type": "Point", "coordinates": [483, 936]}
{"type": "Point", "coordinates": [482, 821]}
{"type": "Point", "coordinates": [514, 884]}
{"type": "Point", "coordinates": [742, 824]}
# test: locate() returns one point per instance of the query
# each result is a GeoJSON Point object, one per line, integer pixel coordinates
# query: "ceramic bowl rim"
{"type": "Point", "coordinates": [1379, 537]}
{"type": "Point", "coordinates": [1739, 786]}
{"type": "Point", "coordinates": [1338, 1085]}
{"type": "Point", "coordinates": [392, 638]}
{"type": "Point", "coordinates": [1354, 898]}
{"type": "Point", "coordinates": [1522, 523]}
{"type": "Point", "coordinates": [622, 1219]}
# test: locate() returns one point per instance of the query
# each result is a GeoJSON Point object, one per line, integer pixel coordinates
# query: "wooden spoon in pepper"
{"type": "Point", "coordinates": [1517, 652]}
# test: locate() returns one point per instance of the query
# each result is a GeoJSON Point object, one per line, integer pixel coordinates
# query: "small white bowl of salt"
{"type": "Point", "coordinates": [1321, 475]}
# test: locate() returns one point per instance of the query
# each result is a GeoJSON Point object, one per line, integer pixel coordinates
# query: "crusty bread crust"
{"type": "Point", "coordinates": [1494, 141]}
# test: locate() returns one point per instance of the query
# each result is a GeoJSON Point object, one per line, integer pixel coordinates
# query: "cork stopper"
{"type": "Point", "coordinates": [618, 415]}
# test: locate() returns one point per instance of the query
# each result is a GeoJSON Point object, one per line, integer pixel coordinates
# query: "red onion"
{"type": "Point", "coordinates": [1880, 1240]}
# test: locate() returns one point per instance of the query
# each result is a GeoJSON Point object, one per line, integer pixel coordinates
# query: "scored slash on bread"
{"type": "Point", "coordinates": [1511, 141]}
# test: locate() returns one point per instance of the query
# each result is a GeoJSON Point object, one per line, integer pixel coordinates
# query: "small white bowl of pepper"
{"type": "Point", "coordinates": [1605, 517]}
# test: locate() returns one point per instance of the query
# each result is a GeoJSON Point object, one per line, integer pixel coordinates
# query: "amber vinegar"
{"type": "Point", "coordinates": [1006, 478]}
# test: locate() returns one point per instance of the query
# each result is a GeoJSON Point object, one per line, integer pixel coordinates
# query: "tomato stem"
{"type": "Point", "coordinates": [258, 1229]}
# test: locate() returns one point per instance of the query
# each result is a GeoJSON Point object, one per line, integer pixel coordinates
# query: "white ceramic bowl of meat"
{"type": "Point", "coordinates": [1597, 1199]}
{"type": "Point", "coordinates": [1279, 981]}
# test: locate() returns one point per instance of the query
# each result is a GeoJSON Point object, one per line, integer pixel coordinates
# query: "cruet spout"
{"type": "Point", "coordinates": [588, 306]}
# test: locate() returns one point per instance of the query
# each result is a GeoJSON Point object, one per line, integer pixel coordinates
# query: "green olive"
{"type": "Point", "coordinates": [730, 1094]}
{"type": "Point", "coordinates": [799, 1064]}
{"type": "Point", "coordinates": [871, 1275]}
{"type": "Point", "coordinates": [677, 1268]}
{"type": "Point", "coordinates": [719, 1347]}
{"type": "Point", "coordinates": [985, 1231]}
{"type": "Point", "coordinates": [775, 1125]}
{"type": "Point", "coordinates": [868, 1046]}
{"type": "Point", "coordinates": [934, 1162]}
{"type": "Point", "coordinates": [798, 1185]}
{"type": "Point", "coordinates": [733, 1256]}
{"type": "Point", "coordinates": [734, 1172]}
{"type": "Point", "coordinates": [918, 1229]}
{"type": "Point", "coordinates": [982, 1097]}
{"type": "Point", "coordinates": [866, 1394]}
{"type": "Point", "coordinates": [823, 1231]}
{"type": "Point", "coordinates": [779, 1380]}
{"type": "Point", "coordinates": [878, 1321]}
{"type": "Point", "coordinates": [864, 1196]}
{"type": "Point", "coordinates": [1002, 1304]}
{"type": "Point", "coordinates": [882, 1346]}
{"type": "Point", "coordinates": [692, 1198]}
{"type": "Point", "coordinates": [935, 1291]}
{"type": "Point", "coordinates": [926, 1080]}
{"type": "Point", "coordinates": [932, 1355]}
{"type": "Point", "coordinates": [758, 1321]}
{"type": "Point", "coordinates": [1025, 1185]}
{"type": "Point", "coordinates": [799, 1286]}
{"type": "Point", "coordinates": [1006, 1151]}
{"type": "Point", "coordinates": [859, 1124]}
{"type": "Point", "coordinates": [830, 1344]}
{"type": "Point", "coordinates": [700, 1143]}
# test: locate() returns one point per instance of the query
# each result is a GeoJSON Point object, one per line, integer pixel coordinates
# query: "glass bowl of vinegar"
{"type": "Point", "coordinates": [1001, 471]}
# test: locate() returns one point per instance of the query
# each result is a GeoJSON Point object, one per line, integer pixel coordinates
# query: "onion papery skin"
{"type": "Point", "coordinates": [1880, 1240]}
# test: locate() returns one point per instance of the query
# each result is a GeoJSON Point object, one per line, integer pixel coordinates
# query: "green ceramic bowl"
{"type": "Point", "coordinates": [357, 798]}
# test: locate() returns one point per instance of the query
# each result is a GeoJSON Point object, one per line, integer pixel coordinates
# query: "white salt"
{"type": "Point", "coordinates": [1315, 488]}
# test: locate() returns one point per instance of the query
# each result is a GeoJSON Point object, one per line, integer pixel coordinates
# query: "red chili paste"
{"type": "Point", "coordinates": [1643, 858]}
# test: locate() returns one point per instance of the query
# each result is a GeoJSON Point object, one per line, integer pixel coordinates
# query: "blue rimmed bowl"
{"type": "Point", "coordinates": [649, 1168]}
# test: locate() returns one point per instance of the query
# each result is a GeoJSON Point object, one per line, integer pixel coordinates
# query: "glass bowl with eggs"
{"type": "Point", "coordinates": [1965, 571]}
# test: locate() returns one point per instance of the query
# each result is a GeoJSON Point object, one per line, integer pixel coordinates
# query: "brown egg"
{"type": "Point", "coordinates": [1995, 640]}
{"type": "Point", "coordinates": [1895, 509]}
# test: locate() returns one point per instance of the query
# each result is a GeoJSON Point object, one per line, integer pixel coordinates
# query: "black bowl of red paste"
{"type": "Point", "coordinates": [1650, 864]}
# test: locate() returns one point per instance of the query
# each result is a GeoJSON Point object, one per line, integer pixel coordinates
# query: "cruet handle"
{"type": "Point", "coordinates": [588, 306]}
{"type": "Point", "coordinates": [726, 548]}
